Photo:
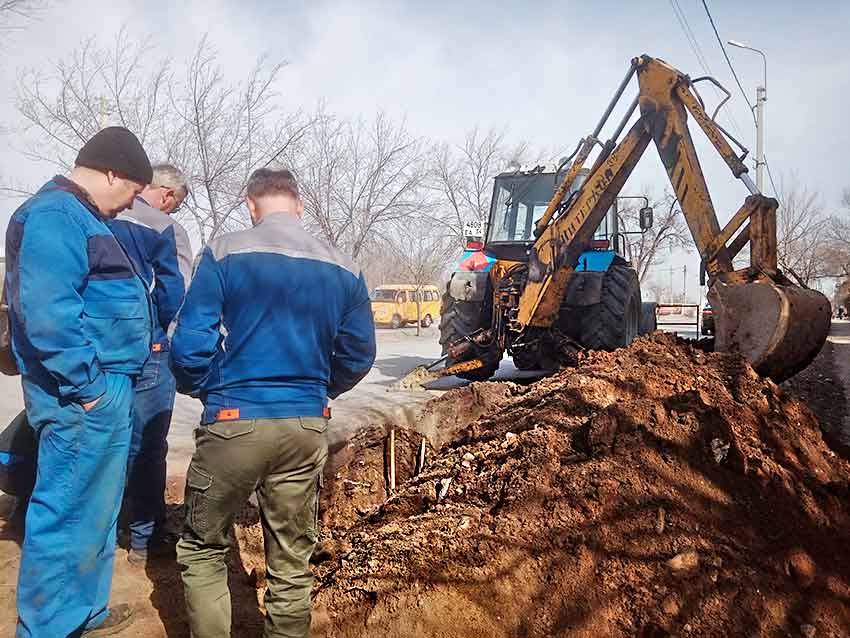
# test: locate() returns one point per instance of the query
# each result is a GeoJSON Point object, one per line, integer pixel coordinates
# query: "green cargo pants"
{"type": "Point", "coordinates": [282, 460]}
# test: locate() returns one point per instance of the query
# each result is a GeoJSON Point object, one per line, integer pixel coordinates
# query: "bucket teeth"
{"type": "Point", "coordinates": [779, 329]}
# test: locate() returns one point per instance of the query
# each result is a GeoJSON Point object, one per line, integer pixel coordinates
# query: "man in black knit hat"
{"type": "Point", "coordinates": [80, 323]}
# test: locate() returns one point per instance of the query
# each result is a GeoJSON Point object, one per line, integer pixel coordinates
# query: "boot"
{"type": "Point", "coordinates": [118, 618]}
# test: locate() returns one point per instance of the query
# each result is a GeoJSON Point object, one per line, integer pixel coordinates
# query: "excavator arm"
{"type": "Point", "coordinates": [777, 326]}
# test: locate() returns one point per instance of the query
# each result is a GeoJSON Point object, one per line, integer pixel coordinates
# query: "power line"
{"type": "Point", "coordinates": [772, 183]}
{"type": "Point", "coordinates": [743, 94]}
{"type": "Point", "coordinates": [728, 61]}
{"type": "Point", "coordinates": [690, 36]}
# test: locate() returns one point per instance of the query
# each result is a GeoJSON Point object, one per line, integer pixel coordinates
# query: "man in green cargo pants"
{"type": "Point", "coordinates": [275, 322]}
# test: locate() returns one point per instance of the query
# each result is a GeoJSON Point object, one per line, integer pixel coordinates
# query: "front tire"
{"type": "Point", "coordinates": [395, 322]}
{"type": "Point", "coordinates": [614, 322]}
{"type": "Point", "coordinates": [459, 319]}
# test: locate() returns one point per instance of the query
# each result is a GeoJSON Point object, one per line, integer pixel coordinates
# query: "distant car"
{"type": "Point", "coordinates": [707, 319]}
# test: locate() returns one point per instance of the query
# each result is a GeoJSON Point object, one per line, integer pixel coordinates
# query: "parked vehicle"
{"type": "Point", "coordinates": [395, 305]}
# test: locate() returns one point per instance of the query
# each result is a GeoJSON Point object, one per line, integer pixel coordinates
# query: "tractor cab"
{"type": "Point", "coordinates": [519, 200]}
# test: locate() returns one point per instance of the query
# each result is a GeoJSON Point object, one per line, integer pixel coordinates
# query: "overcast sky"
{"type": "Point", "coordinates": [543, 70]}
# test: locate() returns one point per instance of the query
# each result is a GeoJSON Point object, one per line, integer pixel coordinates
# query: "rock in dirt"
{"type": "Point", "coordinates": [802, 568]}
{"type": "Point", "coordinates": [670, 606]}
{"type": "Point", "coordinates": [808, 631]}
{"type": "Point", "coordinates": [661, 521]}
{"type": "Point", "coordinates": [684, 562]}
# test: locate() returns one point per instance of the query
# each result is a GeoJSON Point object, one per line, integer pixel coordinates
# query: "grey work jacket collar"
{"type": "Point", "coordinates": [280, 218]}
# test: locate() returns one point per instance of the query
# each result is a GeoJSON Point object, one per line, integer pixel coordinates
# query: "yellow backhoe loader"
{"type": "Point", "coordinates": [543, 287]}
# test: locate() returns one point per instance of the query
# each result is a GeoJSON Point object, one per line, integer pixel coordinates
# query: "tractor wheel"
{"type": "Point", "coordinates": [395, 323]}
{"type": "Point", "coordinates": [458, 319]}
{"type": "Point", "coordinates": [427, 321]}
{"type": "Point", "coordinates": [615, 321]}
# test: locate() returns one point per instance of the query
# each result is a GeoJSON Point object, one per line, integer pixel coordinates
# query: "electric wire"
{"type": "Point", "coordinates": [743, 94]}
{"type": "Point", "coordinates": [690, 36]}
{"type": "Point", "coordinates": [772, 183]}
{"type": "Point", "coordinates": [728, 61]}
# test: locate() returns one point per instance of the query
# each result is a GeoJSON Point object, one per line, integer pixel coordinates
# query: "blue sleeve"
{"type": "Point", "coordinates": [197, 338]}
{"type": "Point", "coordinates": [53, 269]}
{"type": "Point", "coordinates": [170, 285]}
{"type": "Point", "coordinates": [354, 346]}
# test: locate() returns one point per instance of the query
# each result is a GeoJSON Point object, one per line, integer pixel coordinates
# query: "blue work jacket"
{"type": "Point", "coordinates": [274, 323]}
{"type": "Point", "coordinates": [77, 306]}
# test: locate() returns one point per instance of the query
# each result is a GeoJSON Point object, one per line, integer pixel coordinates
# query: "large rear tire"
{"type": "Point", "coordinates": [614, 322]}
{"type": "Point", "coordinates": [459, 319]}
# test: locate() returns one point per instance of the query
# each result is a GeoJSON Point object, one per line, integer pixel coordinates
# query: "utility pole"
{"type": "Point", "coordinates": [671, 284]}
{"type": "Point", "coordinates": [685, 283]}
{"type": "Point", "coordinates": [761, 98]}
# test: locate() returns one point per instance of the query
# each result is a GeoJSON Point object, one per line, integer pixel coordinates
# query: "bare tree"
{"type": "Point", "coordinates": [836, 247]}
{"type": "Point", "coordinates": [14, 13]}
{"type": "Point", "coordinates": [800, 232]}
{"type": "Point", "coordinates": [223, 131]}
{"type": "Point", "coordinates": [425, 253]}
{"type": "Point", "coordinates": [358, 178]}
{"type": "Point", "coordinates": [668, 232]}
{"type": "Point", "coordinates": [64, 105]}
{"type": "Point", "coordinates": [217, 130]}
{"type": "Point", "coordinates": [657, 291]}
{"type": "Point", "coordinates": [462, 176]}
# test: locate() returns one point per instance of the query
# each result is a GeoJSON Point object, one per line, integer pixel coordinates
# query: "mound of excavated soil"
{"type": "Point", "coordinates": [653, 491]}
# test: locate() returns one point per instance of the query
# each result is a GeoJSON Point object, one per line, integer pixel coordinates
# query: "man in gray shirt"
{"type": "Point", "coordinates": [160, 248]}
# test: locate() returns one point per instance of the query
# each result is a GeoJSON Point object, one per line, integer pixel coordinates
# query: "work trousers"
{"type": "Point", "coordinates": [146, 471]}
{"type": "Point", "coordinates": [282, 460]}
{"type": "Point", "coordinates": [69, 539]}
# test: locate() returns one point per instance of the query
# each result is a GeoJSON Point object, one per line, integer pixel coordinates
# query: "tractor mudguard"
{"type": "Point", "coordinates": [468, 286]}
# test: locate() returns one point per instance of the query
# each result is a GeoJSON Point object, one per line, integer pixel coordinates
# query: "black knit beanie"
{"type": "Point", "coordinates": [117, 149]}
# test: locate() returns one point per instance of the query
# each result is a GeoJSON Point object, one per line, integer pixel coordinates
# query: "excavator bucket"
{"type": "Point", "coordinates": [779, 329]}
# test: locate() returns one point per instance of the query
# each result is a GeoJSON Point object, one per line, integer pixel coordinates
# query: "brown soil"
{"type": "Point", "coordinates": [654, 491]}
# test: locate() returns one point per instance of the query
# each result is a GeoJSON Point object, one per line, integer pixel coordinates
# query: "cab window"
{"type": "Point", "coordinates": [402, 297]}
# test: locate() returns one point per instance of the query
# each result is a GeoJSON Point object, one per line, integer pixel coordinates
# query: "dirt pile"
{"type": "Point", "coordinates": [654, 491]}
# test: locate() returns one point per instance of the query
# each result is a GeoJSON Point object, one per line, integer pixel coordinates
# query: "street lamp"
{"type": "Point", "coordinates": [761, 98]}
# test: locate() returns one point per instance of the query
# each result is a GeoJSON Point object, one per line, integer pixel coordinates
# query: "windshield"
{"type": "Point", "coordinates": [382, 294]}
{"type": "Point", "coordinates": [518, 202]}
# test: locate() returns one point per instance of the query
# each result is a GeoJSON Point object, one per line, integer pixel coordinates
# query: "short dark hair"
{"type": "Point", "coordinates": [266, 181]}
